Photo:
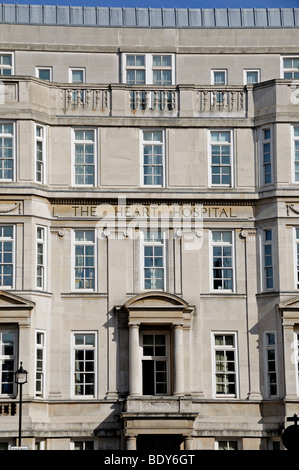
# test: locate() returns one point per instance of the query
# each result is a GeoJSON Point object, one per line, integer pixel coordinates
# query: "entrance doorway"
{"type": "Point", "coordinates": [158, 442]}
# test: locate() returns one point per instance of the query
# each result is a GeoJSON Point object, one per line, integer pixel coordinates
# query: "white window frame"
{"type": "Point", "coordinates": [282, 69]}
{"type": "Point", "coordinates": [74, 244]}
{"type": "Point", "coordinates": [163, 145]}
{"type": "Point", "coordinates": [213, 71]}
{"type": "Point", "coordinates": [155, 358]}
{"type": "Point", "coordinates": [12, 67]}
{"type": "Point", "coordinates": [144, 243]}
{"type": "Point", "coordinates": [245, 71]}
{"type": "Point", "coordinates": [95, 371]}
{"type": "Point", "coordinates": [13, 240]}
{"type": "Point", "coordinates": [37, 70]}
{"type": "Point", "coordinates": [77, 69]}
{"type": "Point", "coordinates": [43, 243]}
{"type": "Point", "coordinates": [148, 67]}
{"type": "Point", "coordinates": [231, 146]}
{"type": "Point", "coordinates": [14, 357]}
{"type": "Point", "coordinates": [43, 348]}
{"type": "Point", "coordinates": [263, 141]}
{"type": "Point", "coordinates": [43, 141]}
{"type": "Point", "coordinates": [236, 362]}
{"type": "Point", "coordinates": [296, 357]}
{"type": "Point", "coordinates": [268, 347]}
{"type": "Point", "coordinates": [233, 267]}
{"type": "Point", "coordinates": [73, 155]}
{"type": "Point", "coordinates": [265, 243]}
{"type": "Point", "coordinates": [296, 257]}
{"type": "Point", "coordinates": [13, 137]}
{"type": "Point", "coordinates": [293, 153]}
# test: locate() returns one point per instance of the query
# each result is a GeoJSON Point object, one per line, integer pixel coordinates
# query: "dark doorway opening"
{"type": "Point", "coordinates": [158, 442]}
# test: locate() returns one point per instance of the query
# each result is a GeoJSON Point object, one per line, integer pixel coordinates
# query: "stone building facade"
{"type": "Point", "coordinates": [149, 227]}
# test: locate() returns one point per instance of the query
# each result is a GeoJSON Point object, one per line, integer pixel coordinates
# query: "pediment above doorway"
{"type": "Point", "coordinates": [14, 309]}
{"type": "Point", "coordinates": [158, 308]}
{"type": "Point", "coordinates": [290, 311]}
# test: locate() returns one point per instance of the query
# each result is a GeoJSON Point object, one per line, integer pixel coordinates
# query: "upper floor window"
{"type": "Point", "coordinates": [8, 357]}
{"type": "Point", "coordinates": [7, 169]}
{"type": "Point", "coordinates": [135, 69]}
{"type": "Point", "coordinates": [40, 257]}
{"type": "Point", "coordinates": [162, 69]}
{"type": "Point", "coordinates": [85, 259]}
{"type": "Point", "coordinates": [141, 69]}
{"type": "Point", "coordinates": [296, 154]}
{"type": "Point", "coordinates": [251, 77]}
{"type": "Point", "coordinates": [44, 73]}
{"type": "Point", "coordinates": [40, 152]}
{"type": "Point", "coordinates": [77, 75]}
{"type": "Point", "coordinates": [266, 156]}
{"type": "Point", "coordinates": [84, 158]}
{"type": "Point", "coordinates": [291, 68]}
{"type": "Point", "coordinates": [155, 363]}
{"type": "Point", "coordinates": [153, 258]}
{"type": "Point", "coordinates": [84, 364]}
{"type": "Point", "coordinates": [297, 257]}
{"type": "Point", "coordinates": [225, 365]}
{"type": "Point", "coordinates": [268, 259]}
{"type": "Point", "coordinates": [6, 256]}
{"type": "Point", "coordinates": [219, 78]}
{"type": "Point", "coordinates": [6, 64]}
{"type": "Point", "coordinates": [222, 260]}
{"type": "Point", "coordinates": [153, 149]}
{"type": "Point", "coordinates": [221, 158]}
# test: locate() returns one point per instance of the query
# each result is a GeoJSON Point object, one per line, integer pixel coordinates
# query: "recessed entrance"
{"type": "Point", "coordinates": [158, 442]}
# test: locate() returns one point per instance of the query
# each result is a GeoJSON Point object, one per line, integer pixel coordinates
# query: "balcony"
{"type": "Point", "coordinates": [34, 97]}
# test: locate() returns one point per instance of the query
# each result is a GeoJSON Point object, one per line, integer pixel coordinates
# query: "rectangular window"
{"type": "Point", "coordinates": [6, 256]}
{"type": "Point", "coordinates": [84, 364]}
{"type": "Point", "coordinates": [297, 256]}
{"type": "Point", "coordinates": [162, 69]}
{"type": "Point", "coordinates": [296, 154]}
{"type": "Point", "coordinates": [153, 158]}
{"type": "Point", "coordinates": [40, 352]}
{"type": "Point", "coordinates": [219, 78]}
{"type": "Point", "coordinates": [7, 151]}
{"type": "Point", "coordinates": [268, 259]}
{"type": "Point", "coordinates": [266, 156]}
{"type": "Point", "coordinates": [225, 365]}
{"type": "Point", "coordinates": [40, 151]}
{"type": "Point", "coordinates": [40, 257]}
{"type": "Point", "coordinates": [291, 68]}
{"type": "Point", "coordinates": [83, 445]}
{"type": "Point", "coordinates": [153, 261]}
{"type": "Point", "coordinates": [6, 64]}
{"type": "Point", "coordinates": [7, 361]}
{"type": "Point", "coordinates": [154, 364]}
{"type": "Point", "coordinates": [85, 259]}
{"type": "Point", "coordinates": [44, 73]}
{"type": "Point", "coordinates": [226, 445]}
{"type": "Point", "coordinates": [222, 260]}
{"type": "Point", "coordinates": [271, 367]}
{"type": "Point", "coordinates": [84, 160]}
{"type": "Point", "coordinates": [221, 158]}
{"type": "Point", "coordinates": [135, 69]}
{"type": "Point", "coordinates": [251, 77]}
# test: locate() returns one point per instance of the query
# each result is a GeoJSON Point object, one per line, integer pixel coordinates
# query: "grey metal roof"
{"type": "Point", "coordinates": [150, 17]}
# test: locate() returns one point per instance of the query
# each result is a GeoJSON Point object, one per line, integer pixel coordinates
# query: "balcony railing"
{"type": "Point", "coordinates": [8, 409]}
{"type": "Point", "coordinates": [28, 94]}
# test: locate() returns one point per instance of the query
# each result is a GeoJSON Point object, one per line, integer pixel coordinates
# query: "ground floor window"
{"type": "Point", "coordinates": [7, 361]}
{"type": "Point", "coordinates": [227, 445]}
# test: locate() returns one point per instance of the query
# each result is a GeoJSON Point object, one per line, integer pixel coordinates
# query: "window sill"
{"type": "Point", "coordinates": [222, 293]}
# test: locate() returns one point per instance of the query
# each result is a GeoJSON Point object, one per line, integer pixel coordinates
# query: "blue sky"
{"type": "Point", "coordinates": [167, 3]}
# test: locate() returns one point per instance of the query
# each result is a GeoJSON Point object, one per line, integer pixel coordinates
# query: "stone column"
{"type": "Point", "coordinates": [131, 443]}
{"type": "Point", "coordinates": [134, 361]}
{"type": "Point", "coordinates": [178, 383]}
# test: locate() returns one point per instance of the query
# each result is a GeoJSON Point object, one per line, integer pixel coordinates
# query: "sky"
{"type": "Point", "coordinates": [166, 3]}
